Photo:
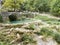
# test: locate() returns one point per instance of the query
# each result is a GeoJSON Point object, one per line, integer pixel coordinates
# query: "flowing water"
{"type": "Point", "coordinates": [47, 41]}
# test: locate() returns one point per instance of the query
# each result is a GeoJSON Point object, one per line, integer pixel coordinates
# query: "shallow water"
{"type": "Point", "coordinates": [22, 21]}
{"type": "Point", "coordinates": [41, 40]}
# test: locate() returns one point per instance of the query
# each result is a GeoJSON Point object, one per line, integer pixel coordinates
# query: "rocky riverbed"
{"type": "Point", "coordinates": [28, 34]}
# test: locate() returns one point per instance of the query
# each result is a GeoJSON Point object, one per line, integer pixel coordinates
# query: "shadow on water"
{"type": "Point", "coordinates": [21, 21]}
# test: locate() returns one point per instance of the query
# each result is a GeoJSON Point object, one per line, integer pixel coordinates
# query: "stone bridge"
{"type": "Point", "coordinates": [6, 15]}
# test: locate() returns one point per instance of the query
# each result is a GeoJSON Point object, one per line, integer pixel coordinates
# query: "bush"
{"type": "Point", "coordinates": [1, 19]}
{"type": "Point", "coordinates": [46, 32]}
{"type": "Point", "coordinates": [13, 17]}
{"type": "Point", "coordinates": [55, 8]}
{"type": "Point", "coordinates": [57, 37]}
{"type": "Point", "coordinates": [42, 6]}
{"type": "Point", "coordinates": [28, 38]}
{"type": "Point", "coordinates": [22, 18]}
{"type": "Point", "coordinates": [3, 43]}
{"type": "Point", "coordinates": [31, 27]}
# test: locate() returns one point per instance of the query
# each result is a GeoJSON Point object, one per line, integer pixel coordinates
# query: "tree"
{"type": "Point", "coordinates": [12, 5]}
{"type": "Point", "coordinates": [55, 7]}
{"type": "Point", "coordinates": [28, 5]}
{"type": "Point", "coordinates": [41, 5]}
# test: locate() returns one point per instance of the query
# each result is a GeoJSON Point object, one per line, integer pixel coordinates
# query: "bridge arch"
{"type": "Point", "coordinates": [12, 17]}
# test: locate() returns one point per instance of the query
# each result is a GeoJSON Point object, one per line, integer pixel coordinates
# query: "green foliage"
{"type": "Point", "coordinates": [6, 39]}
{"type": "Point", "coordinates": [57, 37]}
{"type": "Point", "coordinates": [1, 19]}
{"type": "Point", "coordinates": [3, 43]}
{"type": "Point", "coordinates": [30, 27]}
{"type": "Point", "coordinates": [12, 5]}
{"type": "Point", "coordinates": [48, 20]}
{"type": "Point", "coordinates": [53, 22]}
{"type": "Point", "coordinates": [30, 5]}
{"type": "Point", "coordinates": [49, 32]}
{"type": "Point", "coordinates": [55, 8]}
{"type": "Point", "coordinates": [42, 5]}
{"type": "Point", "coordinates": [45, 18]}
{"type": "Point", "coordinates": [46, 32]}
{"type": "Point", "coordinates": [28, 38]}
{"type": "Point", "coordinates": [23, 18]}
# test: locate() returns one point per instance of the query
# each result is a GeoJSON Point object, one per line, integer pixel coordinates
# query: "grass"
{"type": "Point", "coordinates": [53, 22]}
{"type": "Point", "coordinates": [1, 19]}
{"type": "Point", "coordinates": [6, 38]}
{"type": "Point", "coordinates": [47, 32]}
{"type": "Point", "coordinates": [48, 20]}
{"type": "Point", "coordinates": [57, 37]}
{"type": "Point", "coordinates": [28, 38]}
{"type": "Point", "coordinates": [2, 43]}
{"type": "Point", "coordinates": [45, 18]}
{"type": "Point", "coordinates": [31, 27]}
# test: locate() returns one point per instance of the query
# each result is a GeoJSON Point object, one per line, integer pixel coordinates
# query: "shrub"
{"type": "Point", "coordinates": [1, 19]}
{"type": "Point", "coordinates": [42, 6]}
{"type": "Point", "coordinates": [55, 8]}
{"type": "Point", "coordinates": [3, 43]}
{"type": "Point", "coordinates": [57, 37]}
{"type": "Point", "coordinates": [13, 17]}
{"type": "Point", "coordinates": [22, 18]}
{"type": "Point", "coordinates": [30, 27]}
{"type": "Point", "coordinates": [46, 32]}
{"type": "Point", "coordinates": [28, 38]}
